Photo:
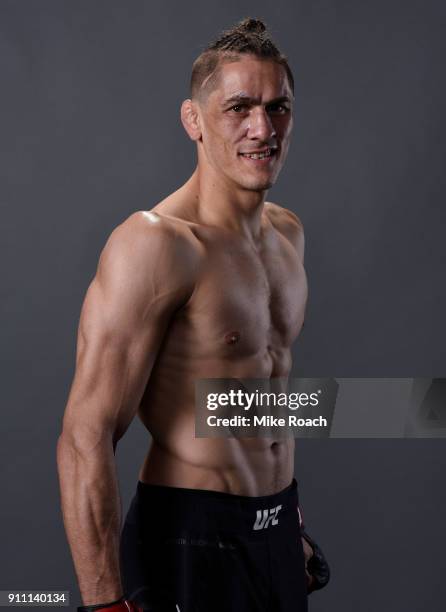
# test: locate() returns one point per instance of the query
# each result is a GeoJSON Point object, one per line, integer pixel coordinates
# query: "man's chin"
{"type": "Point", "coordinates": [257, 185]}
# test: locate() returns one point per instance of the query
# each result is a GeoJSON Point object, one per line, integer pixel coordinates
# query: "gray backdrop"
{"type": "Point", "coordinates": [90, 132]}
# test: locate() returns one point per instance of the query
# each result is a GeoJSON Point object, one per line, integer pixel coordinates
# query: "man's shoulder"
{"type": "Point", "coordinates": [154, 223]}
{"type": "Point", "coordinates": [147, 241]}
{"type": "Point", "coordinates": [151, 231]}
{"type": "Point", "coordinates": [284, 220]}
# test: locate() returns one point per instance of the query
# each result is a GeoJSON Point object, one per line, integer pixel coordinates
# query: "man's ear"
{"type": "Point", "coordinates": [190, 119]}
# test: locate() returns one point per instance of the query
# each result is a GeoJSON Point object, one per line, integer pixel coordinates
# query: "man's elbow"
{"type": "Point", "coordinates": [83, 444]}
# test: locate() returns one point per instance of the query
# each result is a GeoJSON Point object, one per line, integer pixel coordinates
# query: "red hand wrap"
{"type": "Point", "coordinates": [123, 606]}
{"type": "Point", "coordinates": [120, 606]}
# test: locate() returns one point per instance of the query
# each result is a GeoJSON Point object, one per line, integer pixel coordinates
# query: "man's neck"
{"type": "Point", "coordinates": [220, 204]}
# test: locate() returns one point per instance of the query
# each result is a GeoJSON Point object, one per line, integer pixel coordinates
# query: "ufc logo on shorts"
{"type": "Point", "coordinates": [265, 517]}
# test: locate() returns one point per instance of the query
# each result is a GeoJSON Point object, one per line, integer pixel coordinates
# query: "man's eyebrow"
{"type": "Point", "coordinates": [242, 98]}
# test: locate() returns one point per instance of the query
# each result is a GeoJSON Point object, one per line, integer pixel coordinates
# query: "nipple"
{"type": "Point", "coordinates": [232, 337]}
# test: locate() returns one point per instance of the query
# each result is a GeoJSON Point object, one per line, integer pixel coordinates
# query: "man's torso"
{"type": "Point", "coordinates": [246, 310]}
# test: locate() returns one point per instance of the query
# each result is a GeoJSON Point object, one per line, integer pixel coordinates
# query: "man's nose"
{"type": "Point", "coordinates": [260, 124]}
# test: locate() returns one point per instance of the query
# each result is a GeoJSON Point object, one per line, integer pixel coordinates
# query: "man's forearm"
{"type": "Point", "coordinates": [92, 514]}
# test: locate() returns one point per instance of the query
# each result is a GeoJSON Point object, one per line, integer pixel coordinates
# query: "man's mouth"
{"type": "Point", "coordinates": [263, 154]}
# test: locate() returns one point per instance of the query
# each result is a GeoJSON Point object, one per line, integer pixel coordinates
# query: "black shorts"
{"type": "Point", "coordinates": [193, 550]}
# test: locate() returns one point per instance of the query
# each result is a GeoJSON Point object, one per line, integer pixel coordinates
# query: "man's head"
{"type": "Point", "coordinates": [242, 92]}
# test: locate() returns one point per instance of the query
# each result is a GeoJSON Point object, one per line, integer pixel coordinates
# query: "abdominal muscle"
{"type": "Point", "coordinates": [176, 458]}
{"type": "Point", "coordinates": [250, 466]}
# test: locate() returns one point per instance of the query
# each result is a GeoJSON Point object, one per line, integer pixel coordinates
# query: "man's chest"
{"type": "Point", "coordinates": [248, 301]}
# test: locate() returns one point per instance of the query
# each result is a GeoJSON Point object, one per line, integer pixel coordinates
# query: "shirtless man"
{"type": "Point", "coordinates": [207, 284]}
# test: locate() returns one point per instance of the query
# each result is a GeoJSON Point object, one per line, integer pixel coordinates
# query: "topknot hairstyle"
{"type": "Point", "coordinates": [249, 36]}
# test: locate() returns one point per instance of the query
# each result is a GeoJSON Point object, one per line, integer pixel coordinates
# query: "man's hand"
{"type": "Point", "coordinates": [317, 569]}
{"type": "Point", "coordinates": [316, 566]}
{"type": "Point", "coordinates": [308, 553]}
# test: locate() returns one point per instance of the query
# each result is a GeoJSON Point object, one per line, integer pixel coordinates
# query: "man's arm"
{"type": "Point", "coordinates": [145, 272]}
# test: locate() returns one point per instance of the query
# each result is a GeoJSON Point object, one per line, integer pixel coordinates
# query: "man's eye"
{"type": "Point", "coordinates": [278, 108]}
{"type": "Point", "coordinates": [238, 108]}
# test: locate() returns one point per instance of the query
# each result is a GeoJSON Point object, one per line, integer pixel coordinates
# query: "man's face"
{"type": "Point", "coordinates": [247, 114]}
